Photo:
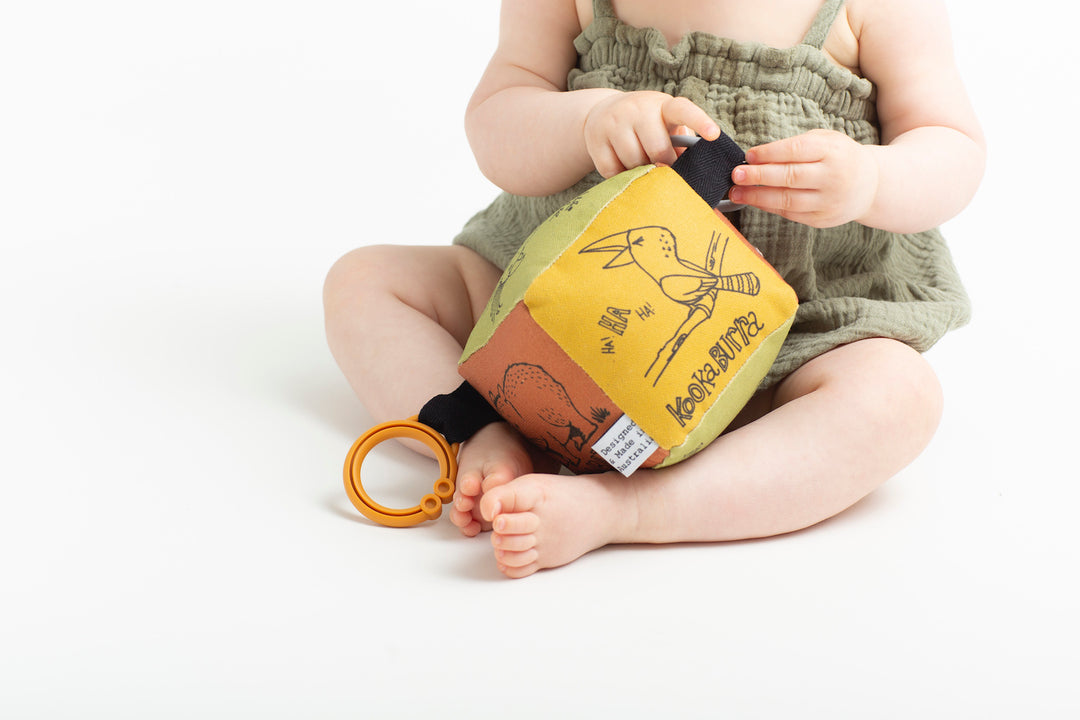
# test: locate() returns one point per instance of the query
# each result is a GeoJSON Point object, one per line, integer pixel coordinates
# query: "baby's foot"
{"type": "Point", "coordinates": [494, 456]}
{"type": "Point", "coordinates": [543, 521]}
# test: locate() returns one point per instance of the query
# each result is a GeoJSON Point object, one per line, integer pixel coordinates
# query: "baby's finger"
{"type": "Point", "coordinates": [656, 144]}
{"type": "Point", "coordinates": [799, 176]}
{"type": "Point", "coordinates": [781, 201]}
{"type": "Point", "coordinates": [629, 151]}
{"type": "Point", "coordinates": [681, 111]}
{"type": "Point", "coordinates": [619, 153]}
{"type": "Point", "coordinates": [799, 149]}
{"type": "Point", "coordinates": [604, 159]}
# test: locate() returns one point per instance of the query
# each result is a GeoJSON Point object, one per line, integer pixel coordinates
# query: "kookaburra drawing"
{"type": "Point", "coordinates": [653, 249]}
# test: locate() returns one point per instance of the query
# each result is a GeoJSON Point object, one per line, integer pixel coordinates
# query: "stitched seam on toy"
{"type": "Point", "coordinates": [784, 327]}
{"type": "Point", "coordinates": [587, 225]}
{"type": "Point", "coordinates": [608, 423]}
{"type": "Point", "coordinates": [511, 299]}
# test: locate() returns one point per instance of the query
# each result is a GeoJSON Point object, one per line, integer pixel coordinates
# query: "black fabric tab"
{"type": "Point", "coordinates": [458, 415]}
{"type": "Point", "coordinates": [706, 166]}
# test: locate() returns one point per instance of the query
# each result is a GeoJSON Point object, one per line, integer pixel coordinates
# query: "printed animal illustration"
{"type": "Point", "coordinates": [654, 250]}
{"type": "Point", "coordinates": [495, 304]}
{"type": "Point", "coordinates": [549, 415]}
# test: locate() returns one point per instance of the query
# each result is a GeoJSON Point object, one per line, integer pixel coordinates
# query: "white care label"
{"type": "Point", "coordinates": [625, 446]}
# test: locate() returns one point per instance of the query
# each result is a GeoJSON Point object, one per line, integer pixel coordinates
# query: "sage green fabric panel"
{"type": "Point", "coordinates": [542, 248]}
{"type": "Point", "coordinates": [732, 400]}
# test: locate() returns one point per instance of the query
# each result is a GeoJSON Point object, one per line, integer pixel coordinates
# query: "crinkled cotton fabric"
{"type": "Point", "coordinates": [853, 281]}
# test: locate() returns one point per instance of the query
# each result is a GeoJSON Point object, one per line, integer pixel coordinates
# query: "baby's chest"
{"type": "Point", "coordinates": [776, 23]}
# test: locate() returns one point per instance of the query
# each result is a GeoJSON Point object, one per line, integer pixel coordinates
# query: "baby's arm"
{"type": "Point", "coordinates": [531, 136]}
{"type": "Point", "coordinates": [932, 155]}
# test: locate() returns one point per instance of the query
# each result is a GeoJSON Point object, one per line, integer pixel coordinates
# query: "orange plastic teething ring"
{"type": "Point", "coordinates": [430, 507]}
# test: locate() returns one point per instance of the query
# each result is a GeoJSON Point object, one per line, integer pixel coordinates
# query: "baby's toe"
{"type": "Point", "coordinates": [516, 497]}
{"type": "Point", "coordinates": [464, 503]}
{"type": "Point", "coordinates": [513, 543]}
{"type": "Point", "coordinates": [469, 484]}
{"type": "Point", "coordinates": [519, 523]}
{"type": "Point", "coordinates": [465, 522]}
{"type": "Point", "coordinates": [516, 559]}
{"type": "Point", "coordinates": [519, 572]}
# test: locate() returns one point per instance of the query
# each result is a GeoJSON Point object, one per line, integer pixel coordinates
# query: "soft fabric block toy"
{"type": "Point", "coordinates": [633, 324]}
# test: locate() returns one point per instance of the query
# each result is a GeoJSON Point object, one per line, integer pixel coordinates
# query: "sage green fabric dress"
{"type": "Point", "coordinates": [853, 281]}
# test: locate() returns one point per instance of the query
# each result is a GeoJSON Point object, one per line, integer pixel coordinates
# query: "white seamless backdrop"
{"type": "Point", "coordinates": [175, 541]}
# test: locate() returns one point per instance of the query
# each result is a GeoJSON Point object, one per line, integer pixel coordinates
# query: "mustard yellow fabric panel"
{"type": "Point", "coordinates": [541, 248]}
{"type": "Point", "coordinates": [662, 303]}
{"type": "Point", "coordinates": [732, 398]}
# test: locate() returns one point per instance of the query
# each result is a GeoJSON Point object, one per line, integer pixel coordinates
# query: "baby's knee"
{"type": "Point", "coordinates": [890, 386]}
{"type": "Point", "coordinates": [907, 389]}
{"type": "Point", "coordinates": [354, 270]}
{"type": "Point", "coordinates": [354, 283]}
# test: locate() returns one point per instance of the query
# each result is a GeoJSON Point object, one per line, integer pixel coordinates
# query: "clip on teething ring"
{"type": "Point", "coordinates": [430, 506]}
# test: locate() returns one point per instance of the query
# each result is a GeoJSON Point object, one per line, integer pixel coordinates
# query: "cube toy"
{"type": "Point", "coordinates": [631, 327]}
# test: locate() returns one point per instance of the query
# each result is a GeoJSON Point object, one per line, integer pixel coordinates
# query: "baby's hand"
{"type": "Point", "coordinates": [821, 178]}
{"type": "Point", "coordinates": [631, 129]}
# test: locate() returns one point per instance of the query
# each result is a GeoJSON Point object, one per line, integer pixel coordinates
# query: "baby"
{"type": "Point", "coordinates": [860, 142]}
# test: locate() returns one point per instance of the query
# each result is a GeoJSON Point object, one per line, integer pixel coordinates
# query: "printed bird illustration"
{"type": "Point", "coordinates": [654, 250]}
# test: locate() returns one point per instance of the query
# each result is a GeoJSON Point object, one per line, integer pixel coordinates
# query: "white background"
{"type": "Point", "coordinates": [176, 178]}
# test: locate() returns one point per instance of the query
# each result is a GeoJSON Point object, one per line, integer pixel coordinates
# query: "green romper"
{"type": "Point", "coordinates": [853, 282]}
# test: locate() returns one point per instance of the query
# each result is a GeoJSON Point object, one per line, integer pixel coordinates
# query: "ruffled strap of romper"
{"type": "Point", "coordinates": [815, 36]}
{"type": "Point", "coordinates": [602, 8]}
{"type": "Point", "coordinates": [823, 22]}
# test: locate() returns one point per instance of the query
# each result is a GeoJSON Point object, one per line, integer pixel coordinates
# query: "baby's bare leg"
{"type": "Point", "coordinates": [397, 318]}
{"type": "Point", "coordinates": [843, 424]}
